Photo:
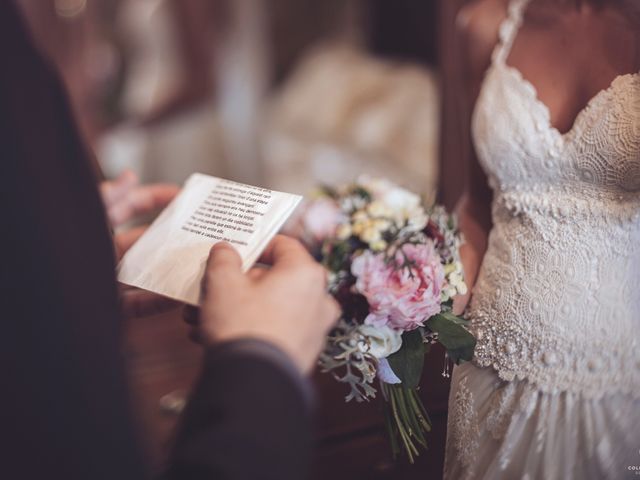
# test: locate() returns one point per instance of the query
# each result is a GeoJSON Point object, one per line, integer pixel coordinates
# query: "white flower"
{"type": "Point", "coordinates": [351, 203]}
{"type": "Point", "coordinates": [416, 218]}
{"type": "Point", "coordinates": [448, 292]}
{"type": "Point", "coordinates": [389, 193]}
{"type": "Point", "coordinates": [382, 341]}
{"type": "Point", "coordinates": [455, 278]}
{"type": "Point", "coordinates": [401, 199]}
{"type": "Point", "coordinates": [393, 202]}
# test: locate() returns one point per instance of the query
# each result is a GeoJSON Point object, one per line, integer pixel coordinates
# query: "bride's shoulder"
{"type": "Point", "coordinates": [477, 25]}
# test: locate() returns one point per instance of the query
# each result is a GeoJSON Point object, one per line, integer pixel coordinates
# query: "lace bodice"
{"type": "Point", "coordinates": [557, 300]}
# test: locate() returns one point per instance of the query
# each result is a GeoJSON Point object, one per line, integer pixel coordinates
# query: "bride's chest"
{"type": "Point", "coordinates": [519, 148]}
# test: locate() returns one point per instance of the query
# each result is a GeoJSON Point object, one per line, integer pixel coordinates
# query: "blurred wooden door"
{"type": "Point", "coordinates": [454, 136]}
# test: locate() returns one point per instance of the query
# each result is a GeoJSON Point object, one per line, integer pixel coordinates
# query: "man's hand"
{"type": "Point", "coordinates": [125, 200]}
{"type": "Point", "coordinates": [286, 305]}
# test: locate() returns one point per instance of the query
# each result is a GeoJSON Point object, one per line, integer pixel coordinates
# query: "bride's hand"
{"type": "Point", "coordinates": [460, 303]}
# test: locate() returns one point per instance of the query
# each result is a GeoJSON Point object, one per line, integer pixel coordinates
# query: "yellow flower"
{"type": "Point", "coordinates": [453, 267]}
{"type": "Point", "coordinates": [358, 228]}
{"type": "Point", "coordinates": [381, 224]}
{"type": "Point", "coordinates": [360, 216]}
{"type": "Point", "coordinates": [370, 235]}
{"type": "Point", "coordinates": [343, 231]}
{"type": "Point", "coordinates": [379, 209]}
{"type": "Point", "coordinates": [378, 245]}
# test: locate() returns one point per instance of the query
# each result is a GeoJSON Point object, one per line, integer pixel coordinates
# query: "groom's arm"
{"type": "Point", "coordinates": [248, 417]}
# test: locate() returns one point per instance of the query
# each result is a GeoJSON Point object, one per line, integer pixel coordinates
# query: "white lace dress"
{"type": "Point", "coordinates": [554, 389]}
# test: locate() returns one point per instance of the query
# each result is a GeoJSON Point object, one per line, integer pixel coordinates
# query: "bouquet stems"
{"type": "Point", "coordinates": [406, 420]}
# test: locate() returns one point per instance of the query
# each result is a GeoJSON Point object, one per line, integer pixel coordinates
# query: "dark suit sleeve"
{"type": "Point", "coordinates": [64, 404]}
{"type": "Point", "coordinates": [248, 419]}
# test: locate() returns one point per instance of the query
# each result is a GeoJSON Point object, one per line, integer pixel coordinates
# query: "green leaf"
{"type": "Point", "coordinates": [454, 318]}
{"type": "Point", "coordinates": [337, 255]}
{"type": "Point", "coordinates": [407, 362]}
{"type": "Point", "coordinates": [361, 192]}
{"type": "Point", "coordinates": [453, 336]}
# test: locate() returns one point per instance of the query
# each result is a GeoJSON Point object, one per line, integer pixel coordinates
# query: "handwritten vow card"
{"type": "Point", "coordinates": [170, 257]}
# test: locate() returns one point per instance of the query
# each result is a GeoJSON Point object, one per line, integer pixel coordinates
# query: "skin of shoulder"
{"type": "Point", "coordinates": [477, 26]}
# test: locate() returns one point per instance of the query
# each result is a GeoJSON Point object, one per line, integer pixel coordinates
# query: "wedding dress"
{"type": "Point", "coordinates": [554, 388]}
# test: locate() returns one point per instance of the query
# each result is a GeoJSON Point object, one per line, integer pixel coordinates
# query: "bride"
{"type": "Point", "coordinates": [552, 222]}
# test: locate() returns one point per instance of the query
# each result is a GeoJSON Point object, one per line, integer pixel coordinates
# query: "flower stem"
{"type": "Point", "coordinates": [405, 417]}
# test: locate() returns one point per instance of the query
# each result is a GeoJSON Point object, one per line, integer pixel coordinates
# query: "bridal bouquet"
{"type": "Point", "coordinates": [394, 267]}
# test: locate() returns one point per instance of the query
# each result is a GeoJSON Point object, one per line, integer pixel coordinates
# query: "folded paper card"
{"type": "Point", "coordinates": [170, 257]}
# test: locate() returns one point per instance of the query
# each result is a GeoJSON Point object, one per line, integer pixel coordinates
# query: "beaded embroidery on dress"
{"type": "Point", "coordinates": [556, 308]}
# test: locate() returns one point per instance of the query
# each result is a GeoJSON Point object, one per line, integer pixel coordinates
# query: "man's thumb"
{"type": "Point", "coordinates": [224, 257]}
{"type": "Point", "coordinates": [224, 266]}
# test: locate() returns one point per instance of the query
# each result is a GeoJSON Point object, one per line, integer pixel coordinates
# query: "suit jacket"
{"type": "Point", "coordinates": [64, 404]}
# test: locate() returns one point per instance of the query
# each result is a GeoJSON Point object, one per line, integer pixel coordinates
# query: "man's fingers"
{"type": "Point", "coordinates": [142, 200]}
{"type": "Point", "coordinates": [191, 315]}
{"type": "Point", "coordinates": [195, 335]}
{"type": "Point", "coordinates": [285, 250]}
{"type": "Point", "coordinates": [224, 257]}
{"type": "Point", "coordinates": [333, 312]}
{"type": "Point", "coordinates": [224, 266]}
{"type": "Point", "coordinates": [125, 240]}
{"type": "Point", "coordinates": [113, 190]}
{"type": "Point", "coordinates": [256, 273]}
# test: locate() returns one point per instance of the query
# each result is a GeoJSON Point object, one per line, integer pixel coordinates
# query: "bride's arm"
{"type": "Point", "coordinates": [477, 29]}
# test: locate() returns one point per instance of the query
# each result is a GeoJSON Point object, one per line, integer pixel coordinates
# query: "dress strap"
{"type": "Point", "coordinates": [508, 30]}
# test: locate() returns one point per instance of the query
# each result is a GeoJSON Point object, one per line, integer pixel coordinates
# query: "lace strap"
{"type": "Point", "coordinates": [509, 29]}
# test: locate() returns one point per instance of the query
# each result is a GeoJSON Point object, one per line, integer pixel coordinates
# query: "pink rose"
{"type": "Point", "coordinates": [404, 292]}
{"type": "Point", "coordinates": [321, 218]}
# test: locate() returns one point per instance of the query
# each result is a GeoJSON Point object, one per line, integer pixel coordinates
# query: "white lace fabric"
{"type": "Point", "coordinates": [511, 430]}
{"type": "Point", "coordinates": [557, 302]}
